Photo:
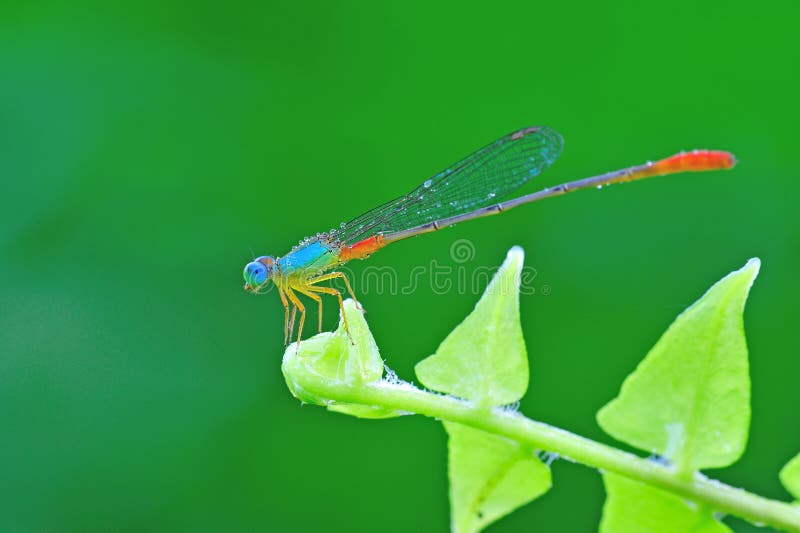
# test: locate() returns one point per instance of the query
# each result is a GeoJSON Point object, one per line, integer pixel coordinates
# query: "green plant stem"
{"type": "Point", "coordinates": [700, 489]}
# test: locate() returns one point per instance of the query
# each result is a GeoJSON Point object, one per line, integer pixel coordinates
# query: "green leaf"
{"type": "Point", "coordinates": [790, 476]}
{"type": "Point", "coordinates": [334, 359]}
{"type": "Point", "coordinates": [489, 477]}
{"type": "Point", "coordinates": [689, 399]}
{"type": "Point", "coordinates": [484, 358]}
{"type": "Point", "coordinates": [633, 507]}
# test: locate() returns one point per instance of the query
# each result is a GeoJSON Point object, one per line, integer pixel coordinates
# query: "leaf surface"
{"type": "Point", "coordinates": [790, 476]}
{"type": "Point", "coordinates": [335, 358]}
{"type": "Point", "coordinates": [689, 399]}
{"type": "Point", "coordinates": [484, 358]}
{"type": "Point", "coordinates": [633, 507]}
{"type": "Point", "coordinates": [489, 477]}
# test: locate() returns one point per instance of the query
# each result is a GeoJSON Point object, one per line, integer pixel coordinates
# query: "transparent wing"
{"type": "Point", "coordinates": [484, 178]}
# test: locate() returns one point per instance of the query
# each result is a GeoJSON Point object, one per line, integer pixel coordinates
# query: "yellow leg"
{"type": "Point", "coordinates": [291, 322]}
{"type": "Point", "coordinates": [316, 298]}
{"type": "Point", "coordinates": [302, 308]}
{"type": "Point", "coordinates": [333, 275]}
{"type": "Point", "coordinates": [286, 316]}
{"type": "Point", "coordinates": [333, 292]}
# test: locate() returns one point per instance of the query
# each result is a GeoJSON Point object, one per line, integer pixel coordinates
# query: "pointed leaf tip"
{"type": "Point", "coordinates": [515, 254]}
{"type": "Point", "coordinates": [689, 399]}
{"type": "Point", "coordinates": [753, 262]}
{"type": "Point", "coordinates": [484, 358]}
{"type": "Point", "coordinates": [790, 476]}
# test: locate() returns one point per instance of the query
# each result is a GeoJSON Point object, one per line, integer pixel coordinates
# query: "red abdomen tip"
{"type": "Point", "coordinates": [697, 161]}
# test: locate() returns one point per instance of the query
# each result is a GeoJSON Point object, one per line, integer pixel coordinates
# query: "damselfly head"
{"type": "Point", "coordinates": [257, 273]}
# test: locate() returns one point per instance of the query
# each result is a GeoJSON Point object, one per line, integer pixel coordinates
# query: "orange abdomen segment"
{"type": "Point", "coordinates": [694, 161]}
{"type": "Point", "coordinates": [362, 249]}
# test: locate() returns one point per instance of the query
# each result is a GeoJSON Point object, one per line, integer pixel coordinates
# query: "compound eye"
{"type": "Point", "coordinates": [255, 273]}
{"type": "Point", "coordinates": [266, 260]}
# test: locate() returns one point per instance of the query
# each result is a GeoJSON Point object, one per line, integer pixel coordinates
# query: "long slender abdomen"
{"type": "Point", "coordinates": [694, 161]}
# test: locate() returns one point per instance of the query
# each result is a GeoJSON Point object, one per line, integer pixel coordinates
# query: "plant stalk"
{"type": "Point", "coordinates": [698, 488]}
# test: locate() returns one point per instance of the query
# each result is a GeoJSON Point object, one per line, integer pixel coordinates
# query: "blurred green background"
{"type": "Point", "coordinates": [147, 148]}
